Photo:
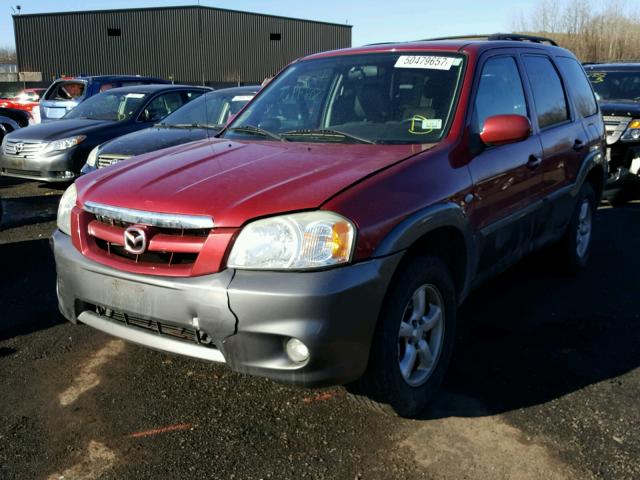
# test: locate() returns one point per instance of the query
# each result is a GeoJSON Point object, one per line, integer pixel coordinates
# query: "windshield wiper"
{"type": "Point", "coordinates": [256, 131]}
{"type": "Point", "coordinates": [186, 125]}
{"type": "Point", "coordinates": [326, 132]}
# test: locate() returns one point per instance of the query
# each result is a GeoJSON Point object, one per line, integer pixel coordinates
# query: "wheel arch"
{"type": "Point", "coordinates": [442, 230]}
{"type": "Point", "coordinates": [594, 171]}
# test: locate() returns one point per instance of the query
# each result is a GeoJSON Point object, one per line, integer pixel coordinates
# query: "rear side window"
{"type": "Point", "coordinates": [163, 105]}
{"type": "Point", "coordinates": [581, 88]}
{"type": "Point", "coordinates": [548, 93]}
{"type": "Point", "coordinates": [500, 91]}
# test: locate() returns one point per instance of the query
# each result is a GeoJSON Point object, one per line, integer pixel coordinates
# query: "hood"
{"type": "Point", "coordinates": [62, 129]}
{"type": "Point", "coordinates": [236, 181]}
{"type": "Point", "coordinates": [151, 139]}
{"type": "Point", "coordinates": [621, 108]}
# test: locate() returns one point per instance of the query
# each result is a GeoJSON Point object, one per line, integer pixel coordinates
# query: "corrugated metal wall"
{"type": "Point", "coordinates": [165, 42]}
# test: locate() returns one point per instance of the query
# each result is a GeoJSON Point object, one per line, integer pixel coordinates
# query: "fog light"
{"type": "Point", "coordinates": [297, 351]}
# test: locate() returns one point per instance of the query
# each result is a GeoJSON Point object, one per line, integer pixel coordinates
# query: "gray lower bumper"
{"type": "Point", "coordinates": [248, 315]}
{"type": "Point", "coordinates": [50, 168]}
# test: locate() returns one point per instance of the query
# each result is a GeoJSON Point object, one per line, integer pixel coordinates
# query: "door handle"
{"type": "Point", "coordinates": [578, 145]}
{"type": "Point", "coordinates": [534, 162]}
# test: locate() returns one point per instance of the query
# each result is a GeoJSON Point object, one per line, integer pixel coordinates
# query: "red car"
{"type": "Point", "coordinates": [329, 233]}
{"type": "Point", "coordinates": [27, 100]}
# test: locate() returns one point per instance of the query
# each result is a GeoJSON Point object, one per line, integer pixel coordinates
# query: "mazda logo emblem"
{"type": "Point", "coordinates": [135, 240]}
{"type": "Point", "coordinates": [19, 147]}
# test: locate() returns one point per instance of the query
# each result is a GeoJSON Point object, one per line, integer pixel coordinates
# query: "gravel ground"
{"type": "Point", "coordinates": [544, 384]}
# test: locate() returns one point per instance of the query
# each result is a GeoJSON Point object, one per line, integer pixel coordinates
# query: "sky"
{"type": "Point", "coordinates": [373, 20]}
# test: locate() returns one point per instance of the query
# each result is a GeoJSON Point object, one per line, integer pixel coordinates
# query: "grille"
{"type": "Point", "coordinates": [23, 148]}
{"type": "Point", "coordinates": [615, 127]}
{"type": "Point", "coordinates": [167, 247]}
{"type": "Point", "coordinates": [161, 328]}
{"type": "Point", "coordinates": [106, 160]}
{"type": "Point", "coordinates": [28, 173]}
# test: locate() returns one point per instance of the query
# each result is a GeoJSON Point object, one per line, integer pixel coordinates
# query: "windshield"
{"type": "Point", "coordinates": [616, 85]}
{"type": "Point", "coordinates": [219, 106]}
{"type": "Point", "coordinates": [115, 106]}
{"type": "Point", "coordinates": [372, 98]}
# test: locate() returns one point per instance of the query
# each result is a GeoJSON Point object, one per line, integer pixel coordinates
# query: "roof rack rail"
{"type": "Point", "coordinates": [517, 37]}
{"type": "Point", "coordinates": [608, 62]}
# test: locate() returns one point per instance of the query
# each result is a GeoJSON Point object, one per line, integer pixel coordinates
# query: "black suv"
{"type": "Point", "coordinates": [617, 87]}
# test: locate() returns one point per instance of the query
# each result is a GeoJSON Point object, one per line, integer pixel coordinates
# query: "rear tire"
{"type": "Point", "coordinates": [413, 341]}
{"type": "Point", "coordinates": [575, 246]}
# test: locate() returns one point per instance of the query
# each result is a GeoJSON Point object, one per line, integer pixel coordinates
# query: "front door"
{"type": "Point", "coordinates": [503, 176]}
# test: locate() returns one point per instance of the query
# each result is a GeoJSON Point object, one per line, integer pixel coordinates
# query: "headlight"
{"type": "Point", "coordinates": [67, 202]}
{"type": "Point", "coordinates": [632, 133]}
{"type": "Point", "coordinates": [64, 143]}
{"type": "Point", "coordinates": [4, 142]}
{"type": "Point", "coordinates": [297, 241]}
{"type": "Point", "coordinates": [93, 157]}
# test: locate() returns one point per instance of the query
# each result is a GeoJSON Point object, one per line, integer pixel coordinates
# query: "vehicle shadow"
{"type": "Point", "coordinates": [27, 288]}
{"type": "Point", "coordinates": [22, 211]}
{"type": "Point", "coordinates": [532, 335]}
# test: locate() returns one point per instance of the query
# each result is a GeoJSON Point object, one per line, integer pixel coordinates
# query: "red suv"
{"type": "Point", "coordinates": [329, 233]}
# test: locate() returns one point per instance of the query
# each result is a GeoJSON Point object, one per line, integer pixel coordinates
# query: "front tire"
{"type": "Point", "coordinates": [413, 341]}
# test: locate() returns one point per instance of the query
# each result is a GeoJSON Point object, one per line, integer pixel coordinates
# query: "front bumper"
{"type": "Point", "coordinates": [249, 316]}
{"type": "Point", "coordinates": [46, 168]}
{"type": "Point", "coordinates": [624, 166]}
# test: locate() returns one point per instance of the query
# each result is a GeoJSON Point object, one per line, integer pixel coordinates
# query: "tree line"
{"type": "Point", "coordinates": [7, 55]}
{"type": "Point", "coordinates": [595, 30]}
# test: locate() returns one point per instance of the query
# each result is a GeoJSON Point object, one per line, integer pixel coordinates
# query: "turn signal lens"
{"type": "Point", "coordinates": [635, 124]}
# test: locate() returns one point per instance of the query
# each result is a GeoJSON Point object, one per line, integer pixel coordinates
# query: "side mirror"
{"type": "Point", "coordinates": [502, 129]}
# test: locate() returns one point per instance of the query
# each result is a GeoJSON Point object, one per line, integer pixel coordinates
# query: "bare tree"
{"type": "Point", "coordinates": [7, 55]}
{"type": "Point", "coordinates": [595, 30]}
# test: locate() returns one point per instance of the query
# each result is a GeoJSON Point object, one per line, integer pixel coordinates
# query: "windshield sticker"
{"type": "Point", "coordinates": [422, 125]}
{"type": "Point", "coordinates": [242, 98]}
{"type": "Point", "coordinates": [427, 62]}
{"type": "Point", "coordinates": [432, 124]}
{"type": "Point", "coordinates": [597, 77]}
{"type": "Point", "coordinates": [134, 95]}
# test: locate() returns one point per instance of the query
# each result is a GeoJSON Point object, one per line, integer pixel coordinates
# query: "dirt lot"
{"type": "Point", "coordinates": [544, 385]}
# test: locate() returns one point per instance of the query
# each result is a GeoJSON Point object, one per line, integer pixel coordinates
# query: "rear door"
{"type": "Point", "coordinates": [564, 141]}
{"type": "Point", "coordinates": [504, 176]}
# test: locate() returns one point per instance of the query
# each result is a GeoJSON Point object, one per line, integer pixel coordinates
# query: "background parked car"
{"type": "Point", "coordinates": [55, 151]}
{"type": "Point", "coordinates": [27, 100]}
{"type": "Point", "coordinates": [617, 87]}
{"type": "Point", "coordinates": [12, 119]}
{"type": "Point", "coordinates": [66, 93]}
{"type": "Point", "coordinates": [203, 117]}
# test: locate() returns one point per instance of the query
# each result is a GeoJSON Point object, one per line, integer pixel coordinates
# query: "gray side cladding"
{"type": "Point", "coordinates": [165, 42]}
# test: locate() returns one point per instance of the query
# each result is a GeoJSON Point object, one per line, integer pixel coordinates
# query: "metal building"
{"type": "Point", "coordinates": [190, 44]}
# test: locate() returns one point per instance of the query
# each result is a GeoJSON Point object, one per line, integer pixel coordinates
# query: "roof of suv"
{"type": "Point", "coordinates": [107, 78]}
{"type": "Point", "coordinates": [153, 87]}
{"type": "Point", "coordinates": [444, 45]}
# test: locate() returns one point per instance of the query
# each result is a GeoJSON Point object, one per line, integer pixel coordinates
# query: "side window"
{"type": "Point", "coordinates": [193, 94]}
{"type": "Point", "coordinates": [581, 88]}
{"type": "Point", "coordinates": [548, 93]}
{"type": "Point", "coordinates": [500, 91]}
{"type": "Point", "coordinates": [162, 106]}
{"type": "Point", "coordinates": [66, 91]}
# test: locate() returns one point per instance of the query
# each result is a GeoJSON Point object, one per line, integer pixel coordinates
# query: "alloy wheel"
{"type": "Point", "coordinates": [421, 335]}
